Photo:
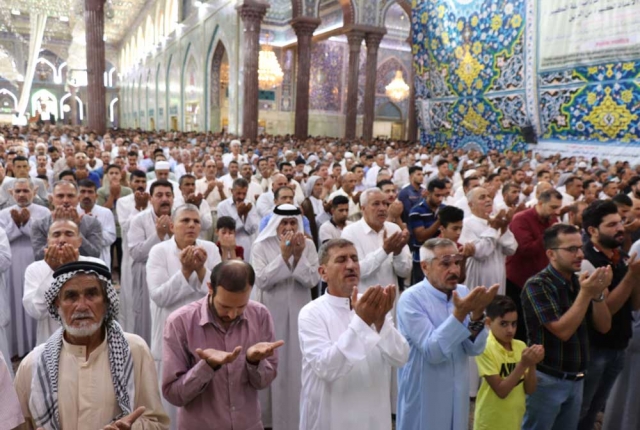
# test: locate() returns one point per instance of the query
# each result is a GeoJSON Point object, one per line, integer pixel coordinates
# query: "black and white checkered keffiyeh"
{"type": "Point", "coordinates": [43, 402]}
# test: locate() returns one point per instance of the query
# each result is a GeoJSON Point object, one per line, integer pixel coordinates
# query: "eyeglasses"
{"type": "Point", "coordinates": [570, 249]}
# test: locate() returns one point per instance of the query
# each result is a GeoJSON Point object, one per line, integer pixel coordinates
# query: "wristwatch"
{"type": "Point", "coordinates": [600, 298]}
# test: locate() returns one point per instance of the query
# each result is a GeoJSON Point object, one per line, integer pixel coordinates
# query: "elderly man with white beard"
{"type": "Point", "coordinates": [492, 239]}
{"type": "Point", "coordinates": [177, 273]}
{"type": "Point", "coordinates": [286, 266]}
{"type": "Point", "coordinates": [349, 348]}
{"type": "Point", "coordinates": [17, 221]}
{"type": "Point", "coordinates": [147, 229]}
{"type": "Point", "coordinates": [90, 373]}
{"type": "Point", "coordinates": [62, 248]}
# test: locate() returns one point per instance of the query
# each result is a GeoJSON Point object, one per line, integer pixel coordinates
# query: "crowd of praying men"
{"type": "Point", "coordinates": [167, 280]}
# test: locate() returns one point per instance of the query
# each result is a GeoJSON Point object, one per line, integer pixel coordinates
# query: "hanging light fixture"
{"type": "Point", "coordinates": [269, 71]}
{"type": "Point", "coordinates": [397, 90]}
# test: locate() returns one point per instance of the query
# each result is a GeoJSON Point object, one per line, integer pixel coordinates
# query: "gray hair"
{"type": "Point", "coordinates": [22, 181]}
{"type": "Point", "coordinates": [364, 197]}
{"type": "Point", "coordinates": [187, 207]}
{"type": "Point", "coordinates": [427, 250]}
{"type": "Point", "coordinates": [64, 182]}
{"type": "Point", "coordinates": [323, 253]}
{"type": "Point", "coordinates": [471, 195]}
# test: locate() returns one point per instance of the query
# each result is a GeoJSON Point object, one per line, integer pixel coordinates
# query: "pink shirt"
{"type": "Point", "coordinates": [227, 397]}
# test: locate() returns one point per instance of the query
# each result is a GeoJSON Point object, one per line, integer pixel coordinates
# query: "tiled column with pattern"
{"type": "Point", "coordinates": [373, 43]}
{"type": "Point", "coordinates": [94, 33]}
{"type": "Point", "coordinates": [304, 28]}
{"type": "Point", "coordinates": [354, 38]}
{"type": "Point", "coordinates": [251, 14]}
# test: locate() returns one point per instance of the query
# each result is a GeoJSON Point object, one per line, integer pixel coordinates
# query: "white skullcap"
{"type": "Point", "coordinates": [468, 173]}
{"type": "Point", "coordinates": [424, 157]}
{"type": "Point", "coordinates": [235, 142]}
{"type": "Point", "coordinates": [162, 165]}
{"type": "Point", "coordinates": [348, 155]}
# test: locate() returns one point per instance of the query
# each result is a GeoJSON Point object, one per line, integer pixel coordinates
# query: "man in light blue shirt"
{"type": "Point", "coordinates": [444, 325]}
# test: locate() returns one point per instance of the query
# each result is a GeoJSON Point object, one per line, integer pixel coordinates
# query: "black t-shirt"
{"type": "Point", "coordinates": [620, 333]}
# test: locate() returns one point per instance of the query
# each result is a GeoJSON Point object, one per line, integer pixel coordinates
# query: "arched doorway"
{"type": "Point", "coordinates": [219, 96]}
{"type": "Point", "coordinates": [389, 121]}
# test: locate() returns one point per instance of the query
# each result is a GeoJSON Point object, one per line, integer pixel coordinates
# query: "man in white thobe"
{"type": "Point", "coordinates": [492, 239]}
{"type": "Point", "coordinates": [177, 273]}
{"type": "Point", "coordinates": [349, 348]}
{"type": "Point", "coordinates": [213, 192]}
{"type": "Point", "coordinates": [147, 229]}
{"type": "Point", "coordinates": [244, 214]}
{"type": "Point", "coordinates": [188, 190]}
{"type": "Point", "coordinates": [162, 173]}
{"type": "Point", "coordinates": [266, 201]}
{"type": "Point", "coordinates": [62, 247]}
{"type": "Point", "coordinates": [87, 207]}
{"type": "Point", "coordinates": [286, 266]}
{"type": "Point", "coordinates": [128, 207]}
{"type": "Point", "coordinates": [5, 305]}
{"type": "Point", "coordinates": [17, 221]}
{"type": "Point", "coordinates": [382, 245]}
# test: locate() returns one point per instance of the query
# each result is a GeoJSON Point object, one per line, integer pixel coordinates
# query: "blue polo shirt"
{"type": "Point", "coordinates": [409, 197]}
{"type": "Point", "coordinates": [421, 215]}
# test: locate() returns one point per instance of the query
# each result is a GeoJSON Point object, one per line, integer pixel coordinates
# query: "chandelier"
{"type": "Point", "coordinates": [397, 90]}
{"type": "Point", "coordinates": [269, 71]}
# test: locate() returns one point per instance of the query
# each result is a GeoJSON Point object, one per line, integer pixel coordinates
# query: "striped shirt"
{"type": "Point", "coordinates": [545, 298]}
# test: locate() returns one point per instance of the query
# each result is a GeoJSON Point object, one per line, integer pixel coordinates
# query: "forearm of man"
{"type": "Point", "coordinates": [424, 234]}
{"type": "Point", "coordinates": [601, 317]}
{"type": "Point", "coordinates": [619, 295]}
{"type": "Point", "coordinates": [109, 202]}
{"type": "Point", "coordinates": [567, 325]}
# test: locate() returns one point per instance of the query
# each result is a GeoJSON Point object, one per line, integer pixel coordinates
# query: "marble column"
{"type": "Point", "coordinates": [412, 126]}
{"type": "Point", "coordinates": [96, 97]}
{"type": "Point", "coordinates": [73, 104]}
{"type": "Point", "coordinates": [251, 14]}
{"type": "Point", "coordinates": [373, 43]}
{"type": "Point", "coordinates": [304, 28]}
{"type": "Point", "coordinates": [354, 37]}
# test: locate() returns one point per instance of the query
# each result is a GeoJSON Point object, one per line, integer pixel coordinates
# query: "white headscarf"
{"type": "Point", "coordinates": [310, 184]}
{"type": "Point", "coordinates": [280, 212]}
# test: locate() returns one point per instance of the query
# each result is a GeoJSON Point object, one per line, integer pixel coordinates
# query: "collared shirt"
{"type": "Point", "coordinates": [421, 216]}
{"type": "Point", "coordinates": [346, 362]}
{"type": "Point", "coordinates": [329, 230]}
{"type": "Point", "coordinates": [376, 266]}
{"type": "Point", "coordinates": [433, 387]}
{"type": "Point", "coordinates": [227, 397]}
{"type": "Point", "coordinates": [86, 398]}
{"type": "Point", "coordinates": [545, 298]}
{"type": "Point", "coordinates": [409, 197]}
{"type": "Point", "coordinates": [530, 257]}
{"type": "Point", "coordinates": [620, 333]}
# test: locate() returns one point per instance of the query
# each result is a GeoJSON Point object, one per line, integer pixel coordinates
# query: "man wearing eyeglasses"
{"type": "Point", "coordinates": [558, 306]}
{"type": "Point", "coordinates": [606, 233]}
{"type": "Point", "coordinates": [444, 325]}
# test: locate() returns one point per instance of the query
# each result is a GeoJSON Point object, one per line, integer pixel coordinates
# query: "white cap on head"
{"type": "Point", "coordinates": [162, 165]}
{"type": "Point", "coordinates": [235, 142]}
{"type": "Point", "coordinates": [469, 172]}
{"type": "Point", "coordinates": [348, 155]}
{"type": "Point", "coordinates": [424, 157]}
{"type": "Point", "coordinates": [582, 165]}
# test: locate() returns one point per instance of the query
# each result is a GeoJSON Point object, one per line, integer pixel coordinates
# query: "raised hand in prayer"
{"type": "Point", "coordinates": [286, 246]}
{"type": "Point", "coordinates": [163, 224]}
{"type": "Point", "coordinates": [215, 358]}
{"type": "Point", "coordinates": [126, 422]}
{"type": "Point", "coordinates": [15, 216]}
{"type": "Point", "coordinates": [142, 199]}
{"type": "Point", "coordinates": [195, 199]}
{"type": "Point", "coordinates": [390, 294]}
{"type": "Point", "coordinates": [532, 355]}
{"type": "Point", "coordinates": [371, 305]}
{"type": "Point", "coordinates": [262, 350]}
{"type": "Point", "coordinates": [25, 215]}
{"type": "Point", "coordinates": [297, 244]}
{"type": "Point", "coordinates": [393, 243]}
{"type": "Point", "coordinates": [595, 283]}
{"type": "Point", "coordinates": [468, 250]}
{"type": "Point", "coordinates": [475, 302]}
{"type": "Point", "coordinates": [73, 215]}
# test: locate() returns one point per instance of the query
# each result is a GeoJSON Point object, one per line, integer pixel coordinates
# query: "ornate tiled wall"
{"type": "Point", "coordinates": [477, 81]}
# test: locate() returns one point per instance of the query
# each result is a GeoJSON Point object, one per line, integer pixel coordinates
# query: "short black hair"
{"type": "Point", "coordinates": [441, 162]}
{"type": "Point", "coordinates": [550, 237]}
{"type": "Point", "coordinates": [112, 166]}
{"type": "Point", "coordinates": [450, 214]}
{"type": "Point", "coordinates": [546, 196]}
{"type": "Point", "coordinates": [87, 183]}
{"type": "Point", "coordinates": [436, 183]}
{"type": "Point", "coordinates": [384, 182]}
{"type": "Point", "coordinates": [500, 306]}
{"type": "Point", "coordinates": [355, 166]}
{"type": "Point", "coordinates": [339, 200]}
{"type": "Point", "coordinates": [465, 181]}
{"type": "Point", "coordinates": [542, 172]}
{"type": "Point", "coordinates": [226, 222]}
{"type": "Point", "coordinates": [593, 215]}
{"type": "Point", "coordinates": [67, 173]}
{"type": "Point", "coordinates": [20, 158]}
{"type": "Point", "coordinates": [634, 180]}
{"type": "Point", "coordinates": [284, 163]}
{"type": "Point", "coordinates": [233, 276]}
{"type": "Point", "coordinates": [414, 169]}
{"type": "Point", "coordinates": [622, 200]}
{"type": "Point", "coordinates": [160, 183]}
{"type": "Point", "coordinates": [240, 183]}
{"type": "Point", "coordinates": [276, 195]}
{"type": "Point", "coordinates": [137, 174]}
{"type": "Point", "coordinates": [185, 176]}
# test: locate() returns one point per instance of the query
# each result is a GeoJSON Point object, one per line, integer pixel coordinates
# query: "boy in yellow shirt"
{"type": "Point", "coordinates": [508, 368]}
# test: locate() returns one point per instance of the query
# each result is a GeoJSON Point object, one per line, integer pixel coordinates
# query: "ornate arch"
{"type": "Point", "coordinates": [349, 10]}
{"type": "Point", "coordinates": [385, 73]}
{"type": "Point", "coordinates": [386, 4]}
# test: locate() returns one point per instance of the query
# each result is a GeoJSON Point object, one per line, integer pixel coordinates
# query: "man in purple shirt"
{"type": "Point", "coordinates": [218, 352]}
